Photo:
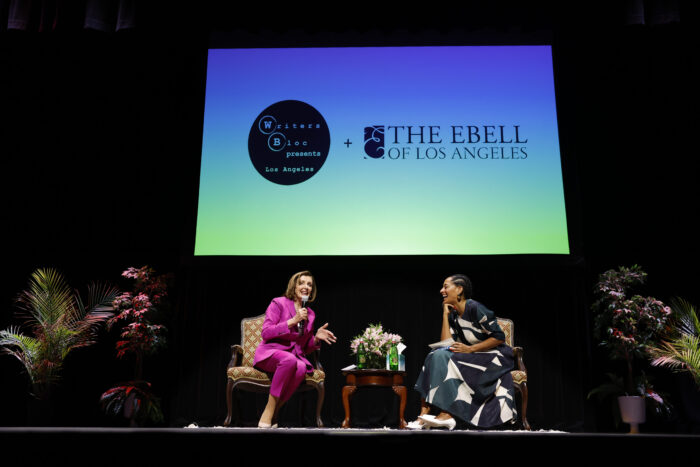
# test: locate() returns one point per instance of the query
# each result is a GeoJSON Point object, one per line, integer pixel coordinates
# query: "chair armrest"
{"type": "Point", "coordinates": [236, 355]}
{"type": "Point", "coordinates": [518, 357]}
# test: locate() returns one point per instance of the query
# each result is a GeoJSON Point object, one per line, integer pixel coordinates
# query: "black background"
{"type": "Point", "coordinates": [101, 140]}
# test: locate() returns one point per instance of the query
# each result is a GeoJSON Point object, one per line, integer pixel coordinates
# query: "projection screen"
{"type": "Point", "coordinates": [446, 150]}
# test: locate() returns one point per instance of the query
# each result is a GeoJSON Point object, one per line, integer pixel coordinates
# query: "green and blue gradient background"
{"type": "Point", "coordinates": [356, 205]}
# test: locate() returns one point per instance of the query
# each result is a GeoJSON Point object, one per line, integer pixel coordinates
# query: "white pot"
{"type": "Point", "coordinates": [633, 411]}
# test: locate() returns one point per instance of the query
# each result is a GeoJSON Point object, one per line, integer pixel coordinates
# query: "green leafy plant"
{"type": "Point", "coordinates": [679, 349]}
{"type": "Point", "coordinates": [627, 325]}
{"type": "Point", "coordinates": [59, 321]}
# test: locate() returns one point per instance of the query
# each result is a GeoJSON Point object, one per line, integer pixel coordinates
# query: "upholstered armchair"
{"type": "Point", "coordinates": [241, 375]}
{"type": "Point", "coordinates": [519, 373]}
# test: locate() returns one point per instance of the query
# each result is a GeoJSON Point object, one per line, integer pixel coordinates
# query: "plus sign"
{"type": "Point", "coordinates": [347, 143]}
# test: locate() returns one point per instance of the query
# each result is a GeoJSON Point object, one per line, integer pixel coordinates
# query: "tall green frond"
{"type": "Point", "coordinates": [62, 340]}
{"type": "Point", "coordinates": [666, 355]}
{"type": "Point", "coordinates": [13, 338]}
{"type": "Point", "coordinates": [99, 302]}
{"type": "Point", "coordinates": [101, 296]}
{"type": "Point", "coordinates": [690, 355]}
{"type": "Point", "coordinates": [681, 350]}
{"type": "Point", "coordinates": [685, 317]}
{"type": "Point", "coordinates": [48, 299]}
{"type": "Point", "coordinates": [94, 312]}
{"type": "Point", "coordinates": [26, 349]}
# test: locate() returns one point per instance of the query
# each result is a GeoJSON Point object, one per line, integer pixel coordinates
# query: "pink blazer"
{"type": "Point", "coordinates": [276, 335]}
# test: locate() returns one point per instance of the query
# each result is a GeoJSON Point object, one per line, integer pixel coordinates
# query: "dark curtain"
{"type": "Point", "coordinates": [544, 296]}
{"type": "Point", "coordinates": [67, 15]}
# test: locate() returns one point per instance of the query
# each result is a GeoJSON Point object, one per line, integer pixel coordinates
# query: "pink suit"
{"type": "Point", "coordinates": [282, 349]}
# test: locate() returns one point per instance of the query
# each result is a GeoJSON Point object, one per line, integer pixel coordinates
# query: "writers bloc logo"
{"type": "Point", "coordinates": [374, 141]}
{"type": "Point", "coordinates": [289, 142]}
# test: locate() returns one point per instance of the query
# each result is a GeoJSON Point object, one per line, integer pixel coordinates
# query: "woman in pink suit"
{"type": "Point", "coordinates": [287, 336]}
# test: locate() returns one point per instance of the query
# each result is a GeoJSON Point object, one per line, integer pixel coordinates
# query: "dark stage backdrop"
{"type": "Point", "coordinates": [101, 143]}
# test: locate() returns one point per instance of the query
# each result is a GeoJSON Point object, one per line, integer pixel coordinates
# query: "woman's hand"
{"type": "Point", "coordinates": [302, 315]}
{"type": "Point", "coordinates": [482, 346]}
{"type": "Point", "coordinates": [445, 333]}
{"type": "Point", "coordinates": [325, 335]}
{"type": "Point", "coordinates": [458, 347]}
{"type": "Point", "coordinates": [446, 309]}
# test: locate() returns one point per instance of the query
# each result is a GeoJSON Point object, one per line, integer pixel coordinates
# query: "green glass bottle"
{"type": "Point", "coordinates": [361, 357]}
{"type": "Point", "coordinates": [394, 358]}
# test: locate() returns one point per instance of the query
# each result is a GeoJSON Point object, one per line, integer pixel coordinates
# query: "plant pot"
{"type": "Point", "coordinates": [130, 409]}
{"type": "Point", "coordinates": [632, 411]}
{"type": "Point", "coordinates": [41, 406]}
{"type": "Point", "coordinates": [40, 412]}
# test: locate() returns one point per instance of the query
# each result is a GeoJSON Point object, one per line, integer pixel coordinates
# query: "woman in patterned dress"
{"type": "Point", "coordinates": [469, 380]}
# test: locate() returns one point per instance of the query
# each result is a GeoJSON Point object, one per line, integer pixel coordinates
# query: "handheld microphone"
{"type": "Point", "coordinates": [301, 324]}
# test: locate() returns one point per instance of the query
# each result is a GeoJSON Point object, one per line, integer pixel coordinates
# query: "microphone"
{"type": "Point", "coordinates": [302, 324]}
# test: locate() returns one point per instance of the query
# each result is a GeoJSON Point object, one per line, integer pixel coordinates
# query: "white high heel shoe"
{"type": "Point", "coordinates": [417, 425]}
{"type": "Point", "coordinates": [449, 423]}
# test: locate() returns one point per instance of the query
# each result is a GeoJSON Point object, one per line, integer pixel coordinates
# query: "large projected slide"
{"type": "Point", "coordinates": [381, 151]}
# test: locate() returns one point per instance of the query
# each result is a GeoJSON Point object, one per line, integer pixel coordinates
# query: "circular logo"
{"type": "Point", "coordinates": [289, 142]}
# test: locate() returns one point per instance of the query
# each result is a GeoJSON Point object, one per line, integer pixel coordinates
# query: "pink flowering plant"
{"type": "Point", "coordinates": [628, 326]}
{"type": "Point", "coordinates": [138, 337]}
{"type": "Point", "coordinates": [376, 342]}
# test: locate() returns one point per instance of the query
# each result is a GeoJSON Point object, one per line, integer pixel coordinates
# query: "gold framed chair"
{"type": "Point", "coordinates": [241, 375]}
{"type": "Point", "coordinates": [519, 373]}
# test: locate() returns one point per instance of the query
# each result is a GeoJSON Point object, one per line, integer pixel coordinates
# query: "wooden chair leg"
{"type": "Point", "coordinates": [523, 406]}
{"type": "Point", "coordinates": [229, 403]}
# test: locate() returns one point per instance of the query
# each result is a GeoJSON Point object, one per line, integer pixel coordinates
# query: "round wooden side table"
{"type": "Point", "coordinates": [384, 378]}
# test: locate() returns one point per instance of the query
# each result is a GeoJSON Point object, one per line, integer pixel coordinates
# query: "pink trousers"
{"type": "Point", "coordinates": [289, 373]}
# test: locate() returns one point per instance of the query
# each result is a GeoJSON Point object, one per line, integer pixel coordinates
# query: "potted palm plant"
{"type": "Point", "coordinates": [626, 325]}
{"type": "Point", "coordinates": [58, 321]}
{"type": "Point", "coordinates": [679, 350]}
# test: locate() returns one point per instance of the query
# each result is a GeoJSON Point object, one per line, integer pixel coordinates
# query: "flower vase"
{"type": "Point", "coordinates": [632, 411]}
{"type": "Point", "coordinates": [376, 362]}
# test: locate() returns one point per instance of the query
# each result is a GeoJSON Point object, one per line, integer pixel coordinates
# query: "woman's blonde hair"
{"type": "Point", "coordinates": [291, 286]}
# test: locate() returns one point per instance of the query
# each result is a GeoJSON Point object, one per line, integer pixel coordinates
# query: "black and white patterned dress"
{"type": "Point", "coordinates": [474, 387]}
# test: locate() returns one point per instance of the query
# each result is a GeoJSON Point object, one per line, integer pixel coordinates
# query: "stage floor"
{"type": "Point", "coordinates": [147, 445]}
